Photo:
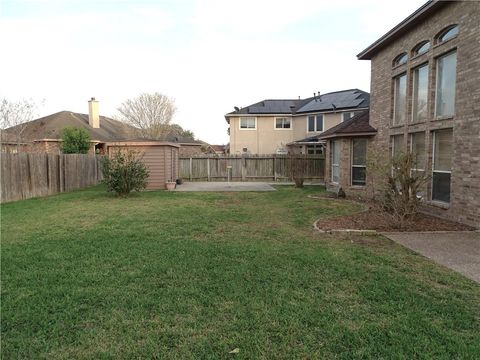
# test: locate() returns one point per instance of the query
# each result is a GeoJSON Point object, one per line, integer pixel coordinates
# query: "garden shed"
{"type": "Point", "coordinates": [160, 157]}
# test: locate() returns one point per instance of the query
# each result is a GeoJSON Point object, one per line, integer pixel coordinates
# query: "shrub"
{"type": "Point", "coordinates": [75, 141]}
{"type": "Point", "coordinates": [124, 172]}
{"type": "Point", "coordinates": [401, 198]}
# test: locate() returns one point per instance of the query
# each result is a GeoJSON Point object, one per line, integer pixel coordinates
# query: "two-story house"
{"type": "Point", "coordinates": [425, 97]}
{"type": "Point", "coordinates": [291, 126]}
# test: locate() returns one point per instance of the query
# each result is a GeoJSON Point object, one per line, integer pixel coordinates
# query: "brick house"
{"type": "Point", "coordinates": [425, 98]}
{"type": "Point", "coordinates": [45, 134]}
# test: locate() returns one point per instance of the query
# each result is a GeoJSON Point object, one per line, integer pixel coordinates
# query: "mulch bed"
{"type": "Point", "coordinates": [374, 219]}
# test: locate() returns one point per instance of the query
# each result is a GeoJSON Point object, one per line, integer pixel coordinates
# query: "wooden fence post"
{"type": "Point", "coordinates": [191, 168]}
{"type": "Point", "coordinates": [208, 169]}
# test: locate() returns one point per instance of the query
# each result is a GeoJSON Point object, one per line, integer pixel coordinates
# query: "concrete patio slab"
{"type": "Point", "coordinates": [457, 250]}
{"type": "Point", "coordinates": [224, 186]}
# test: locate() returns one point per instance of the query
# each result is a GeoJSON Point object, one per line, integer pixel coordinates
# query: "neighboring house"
{"type": "Point", "coordinates": [217, 149]}
{"type": "Point", "coordinates": [425, 97]}
{"type": "Point", "coordinates": [45, 134]}
{"type": "Point", "coordinates": [291, 126]}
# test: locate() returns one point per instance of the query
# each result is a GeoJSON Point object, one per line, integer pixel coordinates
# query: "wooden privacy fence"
{"type": "Point", "coordinates": [29, 175]}
{"type": "Point", "coordinates": [250, 168]}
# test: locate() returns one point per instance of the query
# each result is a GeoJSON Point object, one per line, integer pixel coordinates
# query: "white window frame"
{"type": "Point", "coordinates": [315, 123]}
{"type": "Point", "coordinates": [436, 116]}
{"type": "Point", "coordinates": [282, 128]}
{"type": "Point", "coordinates": [439, 171]}
{"type": "Point", "coordinates": [247, 117]}
{"type": "Point", "coordinates": [358, 166]}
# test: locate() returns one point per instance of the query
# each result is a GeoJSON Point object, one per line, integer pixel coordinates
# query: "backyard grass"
{"type": "Point", "coordinates": [195, 275]}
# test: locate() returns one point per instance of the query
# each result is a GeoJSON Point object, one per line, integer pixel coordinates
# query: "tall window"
{"type": "Point", "coordinates": [283, 123]}
{"type": "Point", "coordinates": [399, 102]}
{"type": "Point", "coordinates": [420, 93]}
{"type": "Point", "coordinates": [335, 161]}
{"type": "Point", "coordinates": [417, 148]}
{"type": "Point", "coordinates": [442, 165]}
{"type": "Point", "coordinates": [315, 123]}
{"type": "Point", "coordinates": [397, 145]}
{"type": "Point", "coordinates": [359, 161]}
{"type": "Point", "coordinates": [247, 123]}
{"type": "Point", "coordinates": [446, 79]}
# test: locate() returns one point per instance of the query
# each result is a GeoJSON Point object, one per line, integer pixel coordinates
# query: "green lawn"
{"type": "Point", "coordinates": [195, 275]}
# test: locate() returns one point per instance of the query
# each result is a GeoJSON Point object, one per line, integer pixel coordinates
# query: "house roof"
{"type": "Point", "coordinates": [357, 125]}
{"type": "Point", "coordinates": [308, 140]}
{"type": "Point", "coordinates": [51, 126]}
{"type": "Point", "coordinates": [344, 99]}
{"type": "Point", "coordinates": [406, 25]}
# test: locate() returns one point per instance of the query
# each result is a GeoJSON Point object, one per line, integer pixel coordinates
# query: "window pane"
{"type": "Point", "coordinates": [446, 79]}
{"type": "Point", "coordinates": [424, 47]}
{"type": "Point", "coordinates": [335, 160]}
{"type": "Point", "coordinates": [278, 123]}
{"type": "Point", "coordinates": [286, 123]}
{"type": "Point", "coordinates": [449, 34]}
{"type": "Point", "coordinates": [420, 93]}
{"type": "Point", "coordinates": [346, 116]}
{"type": "Point", "coordinates": [358, 176]}
{"type": "Point", "coordinates": [443, 150]}
{"type": "Point", "coordinates": [397, 144]}
{"type": "Point", "coordinates": [400, 100]}
{"type": "Point", "coordinates": [247, 123]}
{"type": "Point", "coordinates": [319, 123]}
{"type": "Point", "coordinates": [335, 152]}
{"type": "Point", "coordinates": [359, 152]}
{"type": "Point", "coordinates": [441, 187]}
{"type": "Point", "coordinates": [311, 123]}
{"type": "Point", "coordinates": [418, 150]}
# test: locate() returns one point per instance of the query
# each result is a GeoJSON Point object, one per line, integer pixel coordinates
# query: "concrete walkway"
{"type": "Point", "coordinates": [457, 250]}
{"type": "Point", "coordinates": [224, 186]}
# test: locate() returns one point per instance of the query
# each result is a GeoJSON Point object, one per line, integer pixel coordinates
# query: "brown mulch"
{"type": "Point", "coordinates": [374, 219]}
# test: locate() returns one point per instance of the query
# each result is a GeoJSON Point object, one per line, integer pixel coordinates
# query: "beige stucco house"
{"type": "Point", "coordinates": [291, 126]}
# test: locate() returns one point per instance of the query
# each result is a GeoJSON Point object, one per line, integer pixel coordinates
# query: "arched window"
{"type": "Point", "coordinates": [421, 48]}
{"type": "Point", "coordinates": [400, 59]}
{"type": "Point", "coordinates": [447, 33]}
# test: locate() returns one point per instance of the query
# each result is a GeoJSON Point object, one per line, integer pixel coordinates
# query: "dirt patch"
{"type": "Point", "coordinates": [374, 219]}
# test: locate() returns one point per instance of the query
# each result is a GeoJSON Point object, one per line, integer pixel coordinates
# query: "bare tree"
{"type": "Point", "coordinates": [151, 114]}
{"type": "Point", "coordinates": [14, 117]}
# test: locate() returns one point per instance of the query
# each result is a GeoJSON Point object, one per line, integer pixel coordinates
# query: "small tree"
{"type": "Point", "coordinates": [297, 167]}
{"type": "Point", "coordinates": [75, 141]}
{"type": "Point", "coordinates": [401, 198]}
{"type": "Point", "coordinates": [124, 172]}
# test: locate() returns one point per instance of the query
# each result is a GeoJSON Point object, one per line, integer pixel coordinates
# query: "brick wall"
{"type": "Point", "coordinates": [465, 178]}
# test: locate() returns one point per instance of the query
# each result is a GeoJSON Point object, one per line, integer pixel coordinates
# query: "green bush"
{"type": "Point", "coordinates": [124, 172]}
{"type": "Point", "coordinates": [75, 141]}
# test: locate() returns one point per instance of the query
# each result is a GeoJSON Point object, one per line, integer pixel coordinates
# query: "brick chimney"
{"type": "Point", "coordinates": [93, 116]}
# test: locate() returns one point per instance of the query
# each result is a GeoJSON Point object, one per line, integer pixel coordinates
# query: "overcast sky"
{"type": "Point", "coordinates": [208, 55]}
